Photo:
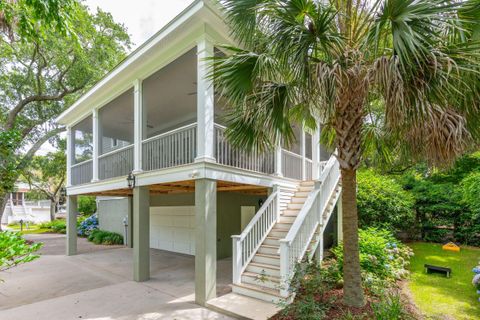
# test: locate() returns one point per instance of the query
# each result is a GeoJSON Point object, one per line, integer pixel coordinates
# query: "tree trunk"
{"type": "Point", "coordinates": [3, 204]}
{"type": "Point", "coordinates": [53, 207]}
{"type": "Point", "coordinates": [352, 277]}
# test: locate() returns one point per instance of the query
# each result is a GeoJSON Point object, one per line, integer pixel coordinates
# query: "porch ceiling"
{"type": "Point", "coordinates": [187, 186]}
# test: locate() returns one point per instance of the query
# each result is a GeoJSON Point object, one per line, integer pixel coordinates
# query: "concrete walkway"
{"type": "Point", "coordinates": [96, 284]}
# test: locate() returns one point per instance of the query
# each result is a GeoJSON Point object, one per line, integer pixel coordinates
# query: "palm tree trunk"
{"type": "Point", "coordinates": [352, 278]}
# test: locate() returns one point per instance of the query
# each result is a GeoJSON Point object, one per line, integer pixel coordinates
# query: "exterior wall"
{"type": "Point", "coordinates": [111, 212]}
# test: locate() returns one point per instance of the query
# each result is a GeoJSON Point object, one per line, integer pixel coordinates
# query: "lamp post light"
{"type": "Point", "coordinates": [131, 181]}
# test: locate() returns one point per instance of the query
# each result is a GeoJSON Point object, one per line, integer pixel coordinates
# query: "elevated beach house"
{"type": "Point", "coordinates": [150, 135]}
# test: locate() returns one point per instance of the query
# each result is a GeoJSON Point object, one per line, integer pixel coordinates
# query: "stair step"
{"type": "Point", "coordinates": [267, 259]}
{"type": "Point", "coordinates": [283, 225]}
{"type": "Point", "coordinates": [298, 200]}
{"type": "Point", "coordinates": [272, 241]}
{"type": "Point", "coordinates": [268, 249]}
{"type": "Point", "coordinates": [305, 188]}
{"type": "Point", "coordinates": [287, 219]}
{"type": "Point", "coordinates": [266, 269]}
{"type": "Point", "coordinates": [307, 183]}
{"type": "Point", "coordinates": [291, 212]}
{"type": "Point", "coordinates": [295, 206]}
{"type": "Point", "coordinates": [254, 291]}
{"type": "Point", "coordinates": [261, 280]}
{"type": "Point", "coordinates": [302, 194]}
{"type": "Point", "coordinates": [278, 233]}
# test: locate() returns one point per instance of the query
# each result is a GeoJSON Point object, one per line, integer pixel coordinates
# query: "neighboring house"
{"type": "Point", "coordinates": [18, 208]}
{"type": "Point", "coordinates": [157, 116]}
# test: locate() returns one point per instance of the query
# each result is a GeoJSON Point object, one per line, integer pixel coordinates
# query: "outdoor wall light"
{"type": "Point", "coordinates": [131, 181]}
{"type": "Point", "coordinates": [63, 192]}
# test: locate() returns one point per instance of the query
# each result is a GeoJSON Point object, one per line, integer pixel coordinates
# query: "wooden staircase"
{"type": "Point", "coordinates": [261, 278]}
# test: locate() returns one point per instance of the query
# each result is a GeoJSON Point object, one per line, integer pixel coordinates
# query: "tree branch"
{"type": "Point", "coordinates": [37, 145]}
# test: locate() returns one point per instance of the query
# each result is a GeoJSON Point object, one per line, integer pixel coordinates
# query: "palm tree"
{"type": "Point", "coordinates": [328, 62]}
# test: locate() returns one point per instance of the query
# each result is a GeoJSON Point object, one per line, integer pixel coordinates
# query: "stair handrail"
{"type": "Point", "coordinates": [295, 244]}
{"type": "Point", "coordinates": [247, 243]}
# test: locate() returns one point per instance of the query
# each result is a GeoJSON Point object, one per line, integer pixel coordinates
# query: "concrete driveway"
{"type": "Point", "coordinates": [96, 284]}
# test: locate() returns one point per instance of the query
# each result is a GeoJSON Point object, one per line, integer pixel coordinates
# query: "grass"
{"type": "Point", "coordinates": [439, 297]}
{"type": "Point", "coordinates": [32, 229]}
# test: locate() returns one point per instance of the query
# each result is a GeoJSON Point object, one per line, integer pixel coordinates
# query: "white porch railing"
{"type": "Point", "coordinates": [292, 164]}
{"type": "Point", "coordinates": [82, 172]}
{"type": "Point", "coordinates": [247, 243]}
{"type": "Point", "coordinates": [116, 163]}
{"type": "Point", "coordinates": [309, 169]}
{"type": "Point", "coordinates": [227, 155]}
{"type": "Point", "coordinates": [294, 246]}
{"type": "Point", "coordinates": [170, 149]}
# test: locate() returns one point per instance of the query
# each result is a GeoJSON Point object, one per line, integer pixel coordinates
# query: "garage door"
{"type": "Point", "coordinates": [173, 229]}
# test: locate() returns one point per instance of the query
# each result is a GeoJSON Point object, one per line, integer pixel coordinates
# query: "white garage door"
{"type": "Point", "coordinates": [173, 229]}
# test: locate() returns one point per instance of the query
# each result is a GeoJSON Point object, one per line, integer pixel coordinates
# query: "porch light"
{"type": "Point", "coordinates": [63, 192]}
{"type": "Point", "coordinates": [131, 181]}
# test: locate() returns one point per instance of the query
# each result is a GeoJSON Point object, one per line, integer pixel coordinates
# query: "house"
{"type": "Point", "coordinates": [18, 208]}
{"type": "Point", "coordinates": [150, 137]}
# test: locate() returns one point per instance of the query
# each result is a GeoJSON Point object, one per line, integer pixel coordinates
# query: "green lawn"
{"type": "Point", "coordinates": [440, 297]}
{"type": "Point", "coordinates": [32, 229]}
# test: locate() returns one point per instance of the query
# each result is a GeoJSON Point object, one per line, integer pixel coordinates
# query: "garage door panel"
{"type": "Point", "coordinates": [173, 229]}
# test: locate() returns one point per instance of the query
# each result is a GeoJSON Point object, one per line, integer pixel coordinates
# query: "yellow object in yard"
{"type": "Point", "coordinates": [451, 247]}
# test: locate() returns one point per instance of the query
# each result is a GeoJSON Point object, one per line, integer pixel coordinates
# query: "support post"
{"type": "Point", "coordinates": [70, 148]}
{"type": "Point", "coordinates": [316, 155]}
{"type": "Point", "coordinates": [339, 219]}
{"type": "Point", "coordinates": [96, 143]}
{"type": "Point", "coordinates": [139, 125]}
{"type": "Point", "coordinates": [72, 208]}
{"type": "Point", "coordinates": [276, 189]}
{"type": "Point", "coordinates": [130, 223]}
{"type": "Point", "coordinates": [237, 259]}
{"type": "Point", "coordinates": [284, 268]}
{"type": "Point", "coordinates": [141, 233]}
{"type": "Point", "coordinates": [205, 240]}
{"type": "Point", "coordinates": [205, 103]}
{"type": "Point", "coordinates": [278, 159]}
{"type": "Point", "coordinates": [302, 152]}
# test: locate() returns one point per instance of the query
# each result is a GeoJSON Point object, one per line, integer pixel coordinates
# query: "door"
{"type": "Point", "coordinates": [173, 229]}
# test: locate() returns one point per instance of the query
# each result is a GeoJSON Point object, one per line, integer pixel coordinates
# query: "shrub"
{"type": "Point", "coordinates": [87, 205]}
{"type": "Point", "coordinates": [390, 307]}
{"type": "Point", "coordinates": [88, 225]}
{"type": "Point", "coordinates": [105, 237]}
{"type": "Point", "coordinates": [57, 226]}
{"type": "Point", "coordinates": [382, 257]}
{"type": "Point", "coordinates": [15, 250]}
{"type": "Point", "coordinates": [383, 203]}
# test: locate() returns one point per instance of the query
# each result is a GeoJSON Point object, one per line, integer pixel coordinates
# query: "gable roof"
{"type": "Point", "coordinates": [201, 18]}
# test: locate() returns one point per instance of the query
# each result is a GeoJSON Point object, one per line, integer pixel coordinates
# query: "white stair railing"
{"type": "Point", "coordinates": [296, 243]}
{"type": "Point", "coordinates": [247, 243]}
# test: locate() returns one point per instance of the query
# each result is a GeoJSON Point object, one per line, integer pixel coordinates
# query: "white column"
{"type": "Point", "coordinates": [316, 155]}
{"type": "Point", "coordinates": [96, 143]}
{"type": "Point", "coordinates": [70, 151]}
{"type": "Point", "coordinates": [205, 240]}
{"type": "Point", "coordinates": [278, 159]}
{"type": "Point", "coordinates": [205, 103]}
{"type": "Point", "coordinates": [139, 124]}
{"type": "Point", "coordinates": [71, 225]}
{"type": "Point", "coordinates": [339, 219]}
{"type": "Point", "coordinates": [302, 152]}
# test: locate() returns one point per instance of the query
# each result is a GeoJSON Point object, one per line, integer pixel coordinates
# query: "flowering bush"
{"type": "Point", "coordinates": [382, 257]}
{"type": "Point", "coordinates": [88, 225]}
